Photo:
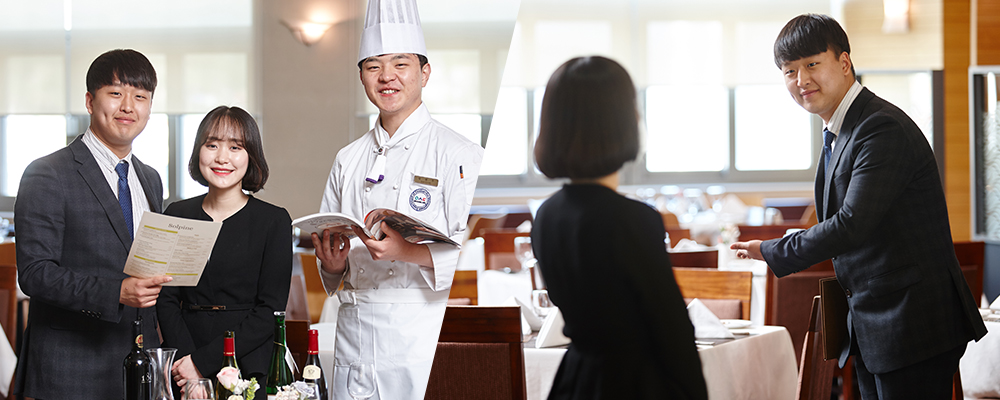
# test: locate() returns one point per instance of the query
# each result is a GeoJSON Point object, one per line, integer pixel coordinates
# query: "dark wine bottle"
{"type": "Point", "coordinates": [137, 369]}
{"type": "Point", "coordinates": [279, 374]}
{"type": "Point", "coordinates": [228, 360]}
{"type": "Point", "coordinates": [312, 372]}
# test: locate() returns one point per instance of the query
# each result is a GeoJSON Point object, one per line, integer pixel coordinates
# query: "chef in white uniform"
{"type": "Point", "coordinates": [394, 293]}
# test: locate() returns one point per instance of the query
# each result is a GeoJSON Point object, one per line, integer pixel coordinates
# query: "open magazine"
{"type": "Point", "coordinates": [412, 229]}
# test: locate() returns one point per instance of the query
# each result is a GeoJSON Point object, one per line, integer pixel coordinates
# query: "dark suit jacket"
{"type": "Point", "coordinates": [607, 268]}
{"type": "Point", "coordinates": [885, 224]}
{"type": "Point", "coordinates": [72, 243]}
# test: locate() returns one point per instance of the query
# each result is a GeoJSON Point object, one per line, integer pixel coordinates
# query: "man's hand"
{"type": "Point", "coordinates": [748, 250]}
{"type": "Point", "coordinates": [184, 370]}
{"type": "Point", "coordinates": [332, 251]}
{"type": "Point", "coordinates": [394, 248]}
{"type": "Point", "coordinates": [141, 292]}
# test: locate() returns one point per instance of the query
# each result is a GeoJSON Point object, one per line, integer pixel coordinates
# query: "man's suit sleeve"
{"type": "Point", "coordinates": [40, 211]}
{"type": "Point", "coordinates": [882, 169]}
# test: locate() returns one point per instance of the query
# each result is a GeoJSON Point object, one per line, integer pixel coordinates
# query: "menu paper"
{"type": "Point", "coordinates": [172, 246]}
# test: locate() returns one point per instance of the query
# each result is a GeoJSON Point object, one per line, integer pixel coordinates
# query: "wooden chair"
{"type": "Point", "coordinates": [297, 338]}
{"type": "Point", "coordinates": [8, 302]}
{"type": "Point", "coordinates": [705, 283]}
{"type": "Point", "coordinates": [498, 248]}
{"type": "Point", "coordinates": [479, 355]}
{"type": "Point", "coordinates": [670, 221]}
{"type": "Point", "coordinates": [464, 286]}
{"type": "Point", "coordinates": [815, 375]}
{"type": "Point", "coordinates": [971, 258]}
{"type": "Point", "coordinates": [765, 232]}
{"type": "Point", "coordinates": [695, 259]}
{"type": "Point", "coordinates": [315, 292]}
{"type": "Point", "coordinates": [676, 234]}
{"type": "Point", "coordinates": [788, 299]}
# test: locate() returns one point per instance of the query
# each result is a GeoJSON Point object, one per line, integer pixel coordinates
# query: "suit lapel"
{"type": "Point", "coordinates": [844, 140]}
{"type": "Point", "coordinates": [91, 173]}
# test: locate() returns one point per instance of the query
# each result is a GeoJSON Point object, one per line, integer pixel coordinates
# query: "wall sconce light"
{"type": "Point", "coordinates": [896, 16]}
{"type": "Point", "coordinates": [307, 32]}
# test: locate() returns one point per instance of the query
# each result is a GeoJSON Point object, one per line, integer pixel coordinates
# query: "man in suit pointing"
{"type": "Point", "coordinates": [883, 221]}
{"type": "Point", "coordinates": [76, 213]}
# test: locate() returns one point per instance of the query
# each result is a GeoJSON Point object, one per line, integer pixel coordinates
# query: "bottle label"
{"type": "Point", "coordinates": [311, 372]}
{"type": "Point", "coordinates": [138, 340]}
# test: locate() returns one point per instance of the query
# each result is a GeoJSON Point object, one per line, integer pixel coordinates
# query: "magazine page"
{"type": "Point", "coordinates": [174, 246]}
{"type": "Point", "coordinates": [412, 229]}
{"type": "Point", "coordinates": [334, 222]}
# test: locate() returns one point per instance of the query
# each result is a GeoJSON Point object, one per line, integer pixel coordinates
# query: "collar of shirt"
{"type": "Point", "coordinates": [410, 126]}
{"type": "Point", "coordinates": [106, 158]}
{"type": "Point", "coordinates": [837, 120]}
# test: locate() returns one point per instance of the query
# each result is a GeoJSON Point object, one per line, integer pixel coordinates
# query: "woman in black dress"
{"type": "Point", "coordinates": [602, 255]}
{"type": "Point", "coordinates": [251, 264]}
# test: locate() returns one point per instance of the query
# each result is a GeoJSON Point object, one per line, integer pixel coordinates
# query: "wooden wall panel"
{"type": "Point", "coordinates": [988, 32]}
{"type": "Point", "coordinates": [957, 43]}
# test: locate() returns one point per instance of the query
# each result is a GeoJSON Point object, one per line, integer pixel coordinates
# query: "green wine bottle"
{"type": "Point", "coordinates": [279, 374]}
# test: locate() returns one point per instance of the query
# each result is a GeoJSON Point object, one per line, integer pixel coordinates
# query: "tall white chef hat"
{"type": "Point", "coordinates": [392, 26]}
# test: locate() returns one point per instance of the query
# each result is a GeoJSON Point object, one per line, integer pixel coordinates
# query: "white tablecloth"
{"type": "Point", "coordinates": [7, 363]}
{"type": "Point", "coordinates": [758, 285]}
{"type": "Point", "coordinates": [980, 366]}
{"type": "Point", "coordinates": [762, 366]}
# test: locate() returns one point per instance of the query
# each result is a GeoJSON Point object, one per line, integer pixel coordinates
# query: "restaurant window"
{"type": "Point", "coordinates": [25, 138]}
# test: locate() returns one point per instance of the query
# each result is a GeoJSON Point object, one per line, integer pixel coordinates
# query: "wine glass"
{"type": "Point", "coordinates": [522, 251]}
{"type": "Point", "coordinates": [199, 389]}
{"type": "Point", "coordinates": [541, 303]}
{"type": "Point", "coordinates": [361, 380]}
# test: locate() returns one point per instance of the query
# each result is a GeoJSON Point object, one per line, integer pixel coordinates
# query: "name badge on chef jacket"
{"type": "Point", "coordinates": [420, 199]}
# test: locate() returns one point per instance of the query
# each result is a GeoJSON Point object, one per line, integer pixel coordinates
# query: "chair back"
{"type": "Point", "coordinates": [297, 338]}
{"type": "Point", "coordinates": [479, 355]}
{"type": "Point", "coordinates": [8, 301]}
{"type": "Point", "coordinates": [765, 232]}
{"type": "Point", "coordinates": [676, 234]}
{"type": "Point", "coordinates": [788, 299]}
{"type": "Point", "coordinates": [815, 374]}
{"type": "Point", "coordinates": [695, 259]}
{"type": "Point", "coordinates": [706, 283]}
{"type": "Point", "coordinates": [479, 222]}
{"type": "Point", "coordinates": [315, 292]}
{"type": "Point", "coordinates": [464, 286]}
{"type": "Point", "coordinates": [971, 258]}
{"type": "Point", "coordinates": [498, 248]}
{"type": "Point", "coordinates": [670, 221]}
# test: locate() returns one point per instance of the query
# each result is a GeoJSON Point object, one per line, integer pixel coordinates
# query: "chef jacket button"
{"type": "Point", "coordinates": [391, 272]}
{"type": "Point", "coordinates": [368, 189]}
{"type": "Point", "coordinates": [394, 187]}
{"type": "Point", "coordinates": [407, 147]}
{"type": "Point", "coordinates": [847, 292]}
{"type": "Point", "coordinates": [361, 270]}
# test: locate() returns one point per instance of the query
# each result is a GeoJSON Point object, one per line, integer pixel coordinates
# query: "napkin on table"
{"type": "Point", "coordinates": [706, 324]}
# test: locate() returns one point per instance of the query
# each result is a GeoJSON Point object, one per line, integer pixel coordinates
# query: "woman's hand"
{"type": "Point", "coordinates": [332, 251]}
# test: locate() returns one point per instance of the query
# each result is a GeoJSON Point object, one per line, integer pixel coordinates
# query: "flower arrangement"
{"type": "Point", "coordinates": [242, 389]}
{"type": "Point", "coordinates": [729, 233]}
{"type": "Point", "coordinates": [296, 391]}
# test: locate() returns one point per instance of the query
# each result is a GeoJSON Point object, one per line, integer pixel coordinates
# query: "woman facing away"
{"type": "Point", "coordinates": [602, 255]}
{"type": "Point", "coordinates": [251, 264]}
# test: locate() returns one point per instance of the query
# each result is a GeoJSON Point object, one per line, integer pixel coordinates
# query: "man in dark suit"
{"type": "Point", "coordinates": [883, 221]}
{"type": "Point", "coordinates": [75, 211]}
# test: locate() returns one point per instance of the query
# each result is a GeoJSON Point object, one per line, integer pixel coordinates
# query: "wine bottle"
{"type": "Point", "coordinates": [137, 369]}
{"type": "Point", "coordinates": [278, 374]}
{"type": "Point", "coordinates": [228, 360]}
{"type": "Point", "coordinates": [313, 371]}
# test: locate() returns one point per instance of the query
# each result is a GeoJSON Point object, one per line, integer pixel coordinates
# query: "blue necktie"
{"type": "Point", "coordinates": [124, 195]}
{"type": "Point", "coordinates": [827, 147]}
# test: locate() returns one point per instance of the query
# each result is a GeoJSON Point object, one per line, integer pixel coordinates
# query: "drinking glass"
{"type": "Point", "coordinates": [199, 389]}
{"type": "Point", "coordinates": [162, 359]}
{"type": "Point", "coordinates": [541, 303]}
{"type": "Point", "coordinates": [361, 380]}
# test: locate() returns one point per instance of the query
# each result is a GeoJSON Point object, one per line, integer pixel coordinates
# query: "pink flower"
{"type": "Point", "coordinates": [228, 377]}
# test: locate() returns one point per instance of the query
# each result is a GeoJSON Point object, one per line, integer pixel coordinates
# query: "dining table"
{"type": "Point", "coordinates": [759, 363]}
{"type": "Point", "coordinates": [980, 366]}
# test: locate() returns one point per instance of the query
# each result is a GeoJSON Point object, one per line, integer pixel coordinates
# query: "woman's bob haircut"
{"type": "Point", "coordinates": [589, 126]}
{"type": "Point", "coordinates": [224, 118]}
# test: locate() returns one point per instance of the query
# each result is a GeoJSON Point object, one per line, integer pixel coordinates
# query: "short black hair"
{"type": "Point", "coordinates": [420, 57]}
{"type": "Point", "coordinates": [589, 125]}
{"type": "Point", "coordinates": [127, 66]}
{"type": "Point", "coordinates": [810, 34]}
{"type": "Point", "coordinates": [242, 122]}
